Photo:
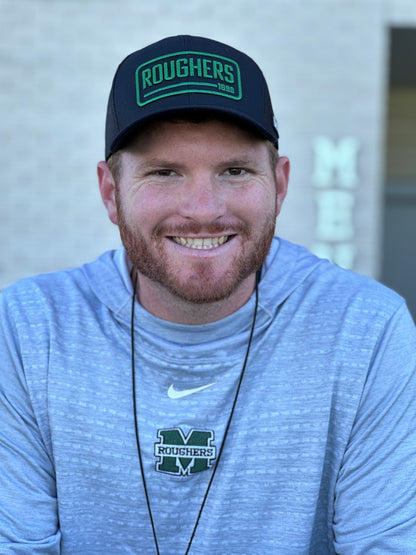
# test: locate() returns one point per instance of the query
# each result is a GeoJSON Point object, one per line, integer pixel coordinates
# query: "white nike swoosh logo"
{"type": "Point", "coordinates": [174, 394]}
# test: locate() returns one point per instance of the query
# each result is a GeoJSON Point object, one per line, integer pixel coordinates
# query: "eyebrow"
{"type": "Point", "coordinates": [155, 162]}
{"type": "Point", "coordinates": [166, 162]}
{"type": "Point", "coordinates": [238, 162]}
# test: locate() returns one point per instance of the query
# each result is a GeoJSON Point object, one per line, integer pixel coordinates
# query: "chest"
{"type": "Point", "coordinates": [283, 447]}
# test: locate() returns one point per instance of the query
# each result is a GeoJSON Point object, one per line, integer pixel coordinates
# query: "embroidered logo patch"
{"type": "Point", "coordinates": [184, 72]}
{"type": "Point", "coordinates": [183, 455]}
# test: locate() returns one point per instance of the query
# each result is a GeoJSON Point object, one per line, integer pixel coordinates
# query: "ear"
{"type": "Point", "coordinates": [282, 180]}
{"type": "Point", "coordinates": [108, 190]}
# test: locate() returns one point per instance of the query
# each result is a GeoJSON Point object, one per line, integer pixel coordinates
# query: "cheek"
{"type": "Point", "coordinates": [260, 205]}
{"type": "Point", "coordinates": [147, 211]}
{"type": "Point", "coordinates": [151, 207]}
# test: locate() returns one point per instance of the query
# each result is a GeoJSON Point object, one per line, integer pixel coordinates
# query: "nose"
{"type": "Point", "coordinates": [203, 200]}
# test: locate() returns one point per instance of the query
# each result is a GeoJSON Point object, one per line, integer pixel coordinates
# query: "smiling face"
{"type": "Point", "coordinates": [196, 205]}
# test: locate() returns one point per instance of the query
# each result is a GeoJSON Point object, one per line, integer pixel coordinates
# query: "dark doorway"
{"type": "Point", "coordinates": [399, 241]}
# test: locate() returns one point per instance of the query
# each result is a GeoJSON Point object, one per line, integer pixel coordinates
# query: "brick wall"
{"type": "Point", "coordinates": [325, 60]}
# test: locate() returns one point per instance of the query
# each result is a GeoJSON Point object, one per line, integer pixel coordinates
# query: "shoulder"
{"type": "Point", "coordinates": [317, 288]}
{"type": "Point", "coordinates": [33, 298]}
{"type": "Point", "coordinates": [346, 289]}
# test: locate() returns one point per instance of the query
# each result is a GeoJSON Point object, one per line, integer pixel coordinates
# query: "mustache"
{"type": "Point", "coordinates": [194, 228]}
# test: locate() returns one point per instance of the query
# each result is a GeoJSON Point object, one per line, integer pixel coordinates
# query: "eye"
{"type": "Point", "coordinates": [236, 171]}
{"type": "Point", "coordinates": [164, 172]}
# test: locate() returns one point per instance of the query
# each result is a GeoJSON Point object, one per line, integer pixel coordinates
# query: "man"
{"type": "Point", "coordinates": [208, 388]}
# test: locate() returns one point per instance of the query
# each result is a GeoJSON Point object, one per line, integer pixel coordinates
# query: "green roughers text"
{"type": "Point", "coordinates": [185, 72]}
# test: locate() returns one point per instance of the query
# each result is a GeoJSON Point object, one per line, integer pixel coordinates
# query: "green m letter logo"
{"type": "Point", "coordinates": [182, 454]}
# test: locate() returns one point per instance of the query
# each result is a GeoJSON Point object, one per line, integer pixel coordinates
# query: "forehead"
{"type": "Point", "coordinates": [219, 129]}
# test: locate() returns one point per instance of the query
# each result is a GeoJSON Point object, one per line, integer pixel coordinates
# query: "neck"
{"type": "Point", "coordinates": [160, 302]}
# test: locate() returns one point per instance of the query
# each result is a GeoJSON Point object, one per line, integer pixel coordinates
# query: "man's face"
{"type": "Point", "coordinates": [196, 205]}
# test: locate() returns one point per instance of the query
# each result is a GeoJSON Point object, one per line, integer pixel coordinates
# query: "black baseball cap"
{"type": "Point", "coordinates": [185, 73]}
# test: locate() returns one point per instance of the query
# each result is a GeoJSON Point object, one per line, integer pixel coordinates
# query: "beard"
{"type": "Point", "coordinates": [202, 284]}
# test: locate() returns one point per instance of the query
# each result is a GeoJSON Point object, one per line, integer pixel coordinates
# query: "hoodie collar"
{"type": "Point", "coordinates": [287, 265]}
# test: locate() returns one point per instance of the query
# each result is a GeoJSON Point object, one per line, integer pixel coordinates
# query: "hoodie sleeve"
{"type": "Point", "coordinates": [28, 507]}
{"type": "Point", "coordinates": [375, 495]}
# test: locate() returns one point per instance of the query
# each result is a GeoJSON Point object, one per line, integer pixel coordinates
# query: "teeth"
{"type": "Point", "coordinates": [199, 242]}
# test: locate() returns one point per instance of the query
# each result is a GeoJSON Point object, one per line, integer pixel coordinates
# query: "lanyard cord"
{"type": "Point", "coordinates": [136, 424]}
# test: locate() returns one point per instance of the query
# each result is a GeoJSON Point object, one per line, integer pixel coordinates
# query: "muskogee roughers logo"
{"type": "Point", "coordinates": [183, 455]}
{"type": "Point", "coordinates": [184, 72]}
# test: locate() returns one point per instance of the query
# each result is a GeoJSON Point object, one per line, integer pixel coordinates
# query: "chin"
{"type": "Point", "coordinates": [204, 286]}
